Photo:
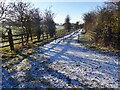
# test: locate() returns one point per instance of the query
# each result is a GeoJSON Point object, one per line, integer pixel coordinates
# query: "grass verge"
{"type": "Point", "coordinates": [87, 43]}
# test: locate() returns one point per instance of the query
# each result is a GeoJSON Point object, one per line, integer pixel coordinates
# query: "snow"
{"type": "Point", "coordinates": [64, 64]}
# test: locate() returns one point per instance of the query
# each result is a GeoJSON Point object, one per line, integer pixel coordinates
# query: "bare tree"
{"type": "Point", "coordinates": [49, 22]}
{"type": "Point", "coordinates": [19, 15]}
{"type": "Point", "coordinates": [37, 17]}
{"type": "Point", "coordinates": [3, 9]}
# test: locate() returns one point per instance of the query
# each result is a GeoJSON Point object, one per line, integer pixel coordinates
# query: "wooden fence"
{"type": "Point", "coordinates": [11, 40]}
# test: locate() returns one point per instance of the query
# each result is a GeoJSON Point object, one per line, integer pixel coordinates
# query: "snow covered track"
{"type": "Point", "coordinates": [64, 65]}
{"type": "Point", "coordinates": [82, 64]}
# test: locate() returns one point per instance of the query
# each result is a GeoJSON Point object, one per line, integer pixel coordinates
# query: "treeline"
{"type": "Point", "coordinates": [26, 20]}
{"type": "Point", "coordinates": [103, 25]}
{"type": "Point", "coordinates": [71, 26]}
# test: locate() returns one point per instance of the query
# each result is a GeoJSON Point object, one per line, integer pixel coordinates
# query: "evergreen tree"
{"type": "Point", "coordinates": [67, 24]}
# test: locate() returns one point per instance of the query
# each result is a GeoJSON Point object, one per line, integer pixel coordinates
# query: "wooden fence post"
{"type": "Point", "coordinates": [43, 35]}
{"type": "Point", "coordinates": [31, 36]}
{"type": "Point", "coordinates": [47, 35]}
{"type": "Point", "coordinates": [55, 37]}
{"type": "Point", "coordinates": [22, 39]}
{"type": "Point", "coordinates": [10, 39]}
{"type": "Point", "coordinates": [27, 38]}
{"type": "Point", "coordinates": [78, 38]}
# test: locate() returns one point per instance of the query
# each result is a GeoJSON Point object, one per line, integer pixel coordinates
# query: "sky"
{"type": "Point", "coordinates": [74, 8]}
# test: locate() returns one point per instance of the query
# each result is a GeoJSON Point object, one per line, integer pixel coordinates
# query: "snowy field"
{"type": "Point", "coordinates": [63, 65]}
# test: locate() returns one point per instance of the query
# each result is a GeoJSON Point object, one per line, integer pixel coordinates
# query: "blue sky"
{"type": "Point", "coordinates": [74, 8]}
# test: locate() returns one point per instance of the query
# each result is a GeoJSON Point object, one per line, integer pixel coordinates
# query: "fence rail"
{"type": "Point", "coordinates": [11, 40]}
